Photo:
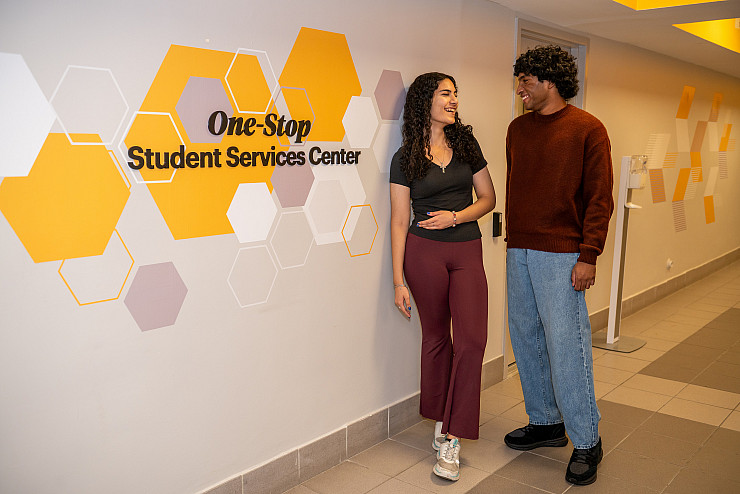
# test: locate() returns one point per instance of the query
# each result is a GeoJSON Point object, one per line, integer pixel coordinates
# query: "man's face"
{"type": "Point", "coordinates": [534, 93]}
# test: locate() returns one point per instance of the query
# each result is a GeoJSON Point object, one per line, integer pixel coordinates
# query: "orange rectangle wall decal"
{"type": "Point", "coordinates": [657, 186]}
{"type": "Point", "coordinates": [681, 183]}
{"type": "Point", "coordinates": [687, 97]}
{"type": "Point", "coordinates": [724, 141]}
{"type": "Point", "coordinates": [716, 102]}
{"type": "Point", "coordinates": [709, 209]}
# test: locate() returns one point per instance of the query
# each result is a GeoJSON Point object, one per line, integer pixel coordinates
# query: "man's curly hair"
{"type": "Point", "coordinates": [417, 125]}
{"type": "Point", "coordinates": [550, 63]}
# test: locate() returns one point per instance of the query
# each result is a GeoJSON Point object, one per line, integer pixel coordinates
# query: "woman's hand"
{"type": "Point", "coordinates": [403, 300]}
{"type": "Point", "coordinates": [438, 220]}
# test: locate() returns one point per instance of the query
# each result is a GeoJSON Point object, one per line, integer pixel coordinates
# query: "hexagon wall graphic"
{"type": "Point", "coordinates": [100, 278]}
{"type": "Point", "coordinates": [292, 239]}
{"type": "Point", "coordinates": [387, 142]}
{"type": "Point", "coordinates": [69, 204]}
{"type": "Point", "coordinates": [202, 97]}
{"type": "Point", "coordinates": [195, 202]}
{"type": "Point", "coordinates": [155, 132]}
{"type": "Point", "coordinates": [390, 95]}
{"type": "Point", "coordinates": [293, 103]}
{"type": "Point", "coordinates": [155, 296]}
{"type": "Point", "coordinates": [251, 81]}
{"type": "Point", "coordinates": [361, 241]}
{"type": "Point", "coordinates": [25, 119]}
{"type": "Point", "coordinates": [360, 122]}
{"type": "Point", "coordinates": [252, 212]}
{"type": "Point", "coordinates": [327, 209]}
{"type": "Point", "coordinates": [88, 101]}
{"type": "Point", "coordinates": [292, 184]}
{"type": "Point", "coordinates": [252, 276]}
{"type": "Point", "coordinates": [321, 62]}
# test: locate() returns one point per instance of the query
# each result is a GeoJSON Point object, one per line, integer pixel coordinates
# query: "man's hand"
{"type": "Point", "coordinates": [583, 276]}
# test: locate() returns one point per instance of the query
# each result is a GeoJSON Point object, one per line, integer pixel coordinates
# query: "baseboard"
{"type": "Point", "coordinates": [600, 318]}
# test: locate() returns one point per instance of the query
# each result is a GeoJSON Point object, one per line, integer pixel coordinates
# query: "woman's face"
{"type": "Point", "coordinates": [444, 103]}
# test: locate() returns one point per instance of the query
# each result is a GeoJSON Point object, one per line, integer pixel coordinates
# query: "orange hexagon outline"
{"type": "Point", "coordinates": [125, 153]}
{"type": "Point", "coordinates": [122, 285]}
{"type": "Point", "coordinates": [273, 90]}
{"type": "Point", "coordinates": [374, 236]}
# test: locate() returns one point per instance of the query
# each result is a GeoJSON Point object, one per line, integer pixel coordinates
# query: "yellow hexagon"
{"type": "Point", "coordinates": [248, 85]}
{"type": "Point", "coordinates": [195, 202]}
{"type": "Point", "coordinates": [69, 204]}
{"type": "Point", "coordinates": [321, 62]}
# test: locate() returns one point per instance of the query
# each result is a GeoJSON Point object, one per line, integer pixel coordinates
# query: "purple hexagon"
{"type": "Point", "coordinates": [390, 95]}
{"type": "Point", "coordinates": [292, 183]}
{"type": "Point", "coordinates": [202, 97]}
{"type": "Point", "coordinates": [156, 296]}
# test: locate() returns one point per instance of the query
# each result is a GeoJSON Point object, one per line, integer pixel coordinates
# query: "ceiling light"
{"type": "Point", "coordinates": [722, 32]}
{"type": "Point", "coordinates": [660, 4]}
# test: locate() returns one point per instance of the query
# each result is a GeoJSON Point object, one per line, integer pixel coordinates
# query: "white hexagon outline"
{"type": "Point", "coordinates": [124, 153]}
{"type": "Point", "coordinates": [231, 271]}
{"type": "Point", "coordinates": [273, 89]}
{"type": "Point", "coordinates": [328, 237]}
{"type": "Point", "coordinates": [377, 120]}
{"type": "Point", "coordinates": [381, 126]}
{"type": "Point", "coordinates": [287, 112]}
{"type": "Point", "coordinates": [61, 123]}
{"type": "Point", "coordinates": [273, 198]}
{"type": "Point", "coordinates": [277, 225]}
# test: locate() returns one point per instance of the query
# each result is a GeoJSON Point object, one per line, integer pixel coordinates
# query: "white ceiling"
{"type": "Point", "coordinates": [649, 29]}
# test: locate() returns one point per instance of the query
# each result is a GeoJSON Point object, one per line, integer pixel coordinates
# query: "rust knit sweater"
{"type": "Point", "coordinates": [558, 183]}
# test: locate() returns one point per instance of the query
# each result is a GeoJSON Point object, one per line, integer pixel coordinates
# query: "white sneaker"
{"type": "Point", "coordinates": [439, 438]}
{"type": "Point", "coordinates": [448, 464]}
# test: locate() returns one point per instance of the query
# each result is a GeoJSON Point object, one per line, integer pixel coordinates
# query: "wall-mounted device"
{"type": "Point", "coordinates": [497, 224]}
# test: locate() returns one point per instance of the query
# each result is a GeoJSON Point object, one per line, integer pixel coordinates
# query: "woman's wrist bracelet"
{"type": "Point", "coordinates": [398, 285]}
{"type": "Point", "coordinates": [454, 219]}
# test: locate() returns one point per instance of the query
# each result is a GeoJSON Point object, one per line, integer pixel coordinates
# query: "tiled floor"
{"type": "Point", "coordinates": [670, 416]}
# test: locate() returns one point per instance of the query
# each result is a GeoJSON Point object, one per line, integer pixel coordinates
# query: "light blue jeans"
{"type": "Point", "coordinates": [551, 337]}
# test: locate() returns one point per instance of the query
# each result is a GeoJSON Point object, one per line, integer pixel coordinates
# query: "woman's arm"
{"type": "Point", "coordinates": [400, 217]}
{"type": "Point", "coordinates": [485, 202]}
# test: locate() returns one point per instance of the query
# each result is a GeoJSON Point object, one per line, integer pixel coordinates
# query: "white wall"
{"type": "Point", "coordinates": [91, 403]}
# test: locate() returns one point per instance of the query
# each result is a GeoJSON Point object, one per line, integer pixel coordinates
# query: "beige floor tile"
{"type": "Point", "coordinates": [689, 319]}
{"type": "Point", "coordinates": [395, 486]}
{"type": "Point", "coordinates": [421, 475]}
{"type": "Point", "coordinates": [667, 334]}
{"type": "Point", "coordinates": [721, 301]}
{"type": "Point", "coordinates": [510, 387]}
{"type": "Point", "coordinates": [497, 484]}
{"type": "Point", "coordinates": [602, 388]}
{"type": "Point", "coordinates": [300, 489]}
{"type": "Point", "coordinates": [517, 414]}
{"type": "Point", "coordinates": [390, 457]}
{"type": "Point", "coordinates": [537, 471]}
{"type": "Point", "coordinates": [620, 361]}
{"type": "Point", "coordinates": [668, 449]}
{"type": "Point", "coordinates": [716, 309]}
{"type": "Point", "coordinates": [610, 375]}
{"type": "Point", "coordinates": [484, 417]}
{"type": "Point", "coordinates": [646, 353]}
{"type": "Point", "coordinates": [495, 403]}
{"type": "Point", "coordinates": [694, 480]}
{"type": "Point", "coordinates": [495, 429]}
{"type": "Point", "coordinates": [598, 352]}
{"type": "Point", "coordinates": [637, 398]}
{"type": "Point", "coordinates": [698, 412]}
{"type": "Point", "coordinates": [486, 455]}
{"type": "Point", "coordinates": [654, 384]}
{"type": "Point", "coordinates": [626, 415]}
{"type": "Point", "coordinates": [678, 428]}
{"type": "Point", "coordinates": [658, 344]}
{"type": "Point", "coordinates": [346, 478]}
{"type": "Point", "coordinates": [710, 396]}
{"type": "Point", "coordinates": [418, 436]}
{"type": "Point", "coordinates": [732, 422]}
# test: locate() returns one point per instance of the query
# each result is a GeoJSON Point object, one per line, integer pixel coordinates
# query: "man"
{"type": "Point", "coordinates": [558, 204]}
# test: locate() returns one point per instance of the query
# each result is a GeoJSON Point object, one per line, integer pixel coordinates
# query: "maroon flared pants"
{"type": "Point", "coordinates": [448, 282]}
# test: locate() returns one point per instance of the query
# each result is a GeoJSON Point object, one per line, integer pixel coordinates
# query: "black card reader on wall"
{"type": "Point", "coordinates": [497, 224]}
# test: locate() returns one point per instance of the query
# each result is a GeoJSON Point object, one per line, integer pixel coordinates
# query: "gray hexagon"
{"type": "Point", "coordinates": [155, 296]}
{"type": "Point", "coordinates": [292, 239]}
{"type": "Point", "coordinates": [327, 209]}
{"type": "Point", "coordinates": [390, 95]}
{"type": "Point", "coordinates": [292, 183]}
{"type": "Point", "coordinates": [202, 97]}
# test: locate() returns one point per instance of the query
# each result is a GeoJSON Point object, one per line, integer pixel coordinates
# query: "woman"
{"type": "Point", "coordinates": [438, 165]}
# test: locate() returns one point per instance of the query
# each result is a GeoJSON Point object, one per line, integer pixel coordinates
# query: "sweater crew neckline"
{"type": "Point", "coordinates": [553, 116]}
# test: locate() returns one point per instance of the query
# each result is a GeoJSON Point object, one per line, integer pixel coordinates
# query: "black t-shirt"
{"type": "Point", "coordinates": [438, 191]}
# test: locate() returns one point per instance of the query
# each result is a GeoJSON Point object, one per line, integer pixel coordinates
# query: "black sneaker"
{"type": "Point", "coordinates": [583, 464]}
{"type": "Point", "coordinates": [535, 436]}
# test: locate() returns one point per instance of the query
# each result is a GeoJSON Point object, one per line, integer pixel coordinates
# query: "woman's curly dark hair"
{"type": "Point", "coordinates": [550, 63]}
{"type": "Point", "coordinates": [417, 125]}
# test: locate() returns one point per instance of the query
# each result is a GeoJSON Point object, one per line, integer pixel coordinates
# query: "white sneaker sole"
{"type": "Point", "coordinates": [445, 474]}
